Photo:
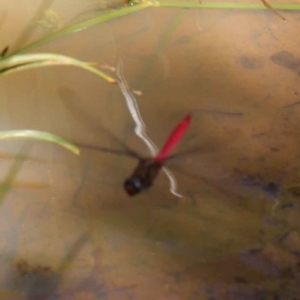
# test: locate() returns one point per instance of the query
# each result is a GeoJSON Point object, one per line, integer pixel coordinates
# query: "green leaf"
{"type": "Point", "coordinates": [38, 135]}
{"type": "Point", "coordinates": [22, 62]}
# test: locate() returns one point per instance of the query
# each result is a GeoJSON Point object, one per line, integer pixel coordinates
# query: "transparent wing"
{"type": "Point", "coordinates": [68, 98]}
{"type": "Point", "coordinates": [106, 150]}
{"type": "Point", "coordinates": [226, 180]}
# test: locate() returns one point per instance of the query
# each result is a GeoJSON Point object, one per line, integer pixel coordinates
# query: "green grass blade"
{"type": "Point", "coordinates": [227, 5]}
{"type": "Point", "coordinates": [24, 62]}
{"type": "Point", "coordinates": [131, 9]}
{"type": "Point", "coordinates": [38, 135]}
{"type": "Point", "coordinates": [84, 25]}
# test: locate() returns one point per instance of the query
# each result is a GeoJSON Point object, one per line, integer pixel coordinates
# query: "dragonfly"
{"type": "Point", "coordinates": [147, 169]}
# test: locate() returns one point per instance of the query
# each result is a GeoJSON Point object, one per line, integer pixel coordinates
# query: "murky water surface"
{"type": "Point", "coordinates": [67, 228]}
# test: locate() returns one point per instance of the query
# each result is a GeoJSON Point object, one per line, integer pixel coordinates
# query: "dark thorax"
{"type": "Point", "coordinates": [143, 176]}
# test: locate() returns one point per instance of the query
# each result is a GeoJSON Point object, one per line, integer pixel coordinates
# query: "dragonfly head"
{"type": "Point", "coordinates": [133, 185]}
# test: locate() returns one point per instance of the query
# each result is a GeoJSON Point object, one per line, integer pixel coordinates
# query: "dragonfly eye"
{"type": "Point", "coordinates": [133, 186]}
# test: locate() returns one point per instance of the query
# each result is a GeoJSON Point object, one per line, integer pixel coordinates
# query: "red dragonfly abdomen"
{"type": "Point", "coordinates": [174, 138]}
{"type": "Point", "coordinates": [148, 169]}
